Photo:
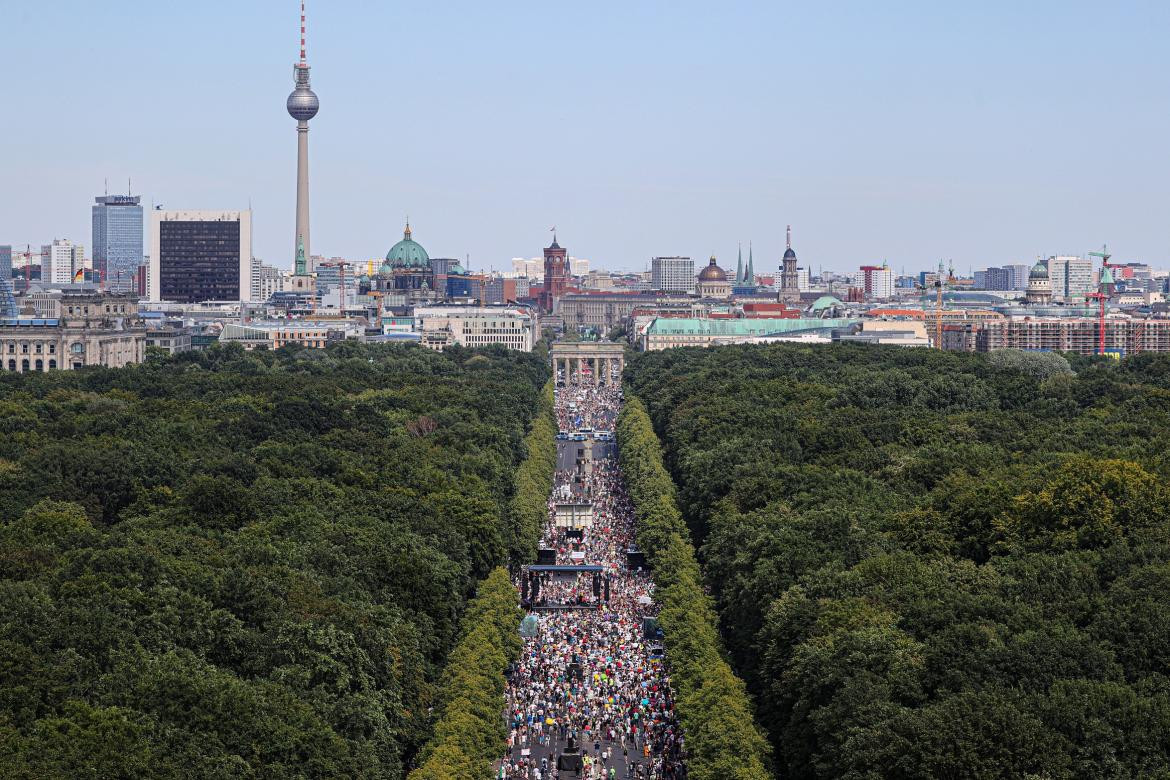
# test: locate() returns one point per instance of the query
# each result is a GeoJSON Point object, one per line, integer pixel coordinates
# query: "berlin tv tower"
{"type": "Point", "coordinates": [302, 106]}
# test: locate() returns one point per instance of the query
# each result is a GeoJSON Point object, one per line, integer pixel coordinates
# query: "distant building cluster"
{"type": "Point", "coordinates": [195, 281]}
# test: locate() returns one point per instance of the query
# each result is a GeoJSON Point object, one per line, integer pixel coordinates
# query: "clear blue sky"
{"type": "Point", "coordinates": [987, 132]}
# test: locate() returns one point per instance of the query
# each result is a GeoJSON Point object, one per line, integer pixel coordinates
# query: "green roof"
{"type": "Point", "coordinates": [824, 302]}
{"type": "Point", "coordinates": [408, 253]}
{"type": "Point", "coordinates": [749, 326]}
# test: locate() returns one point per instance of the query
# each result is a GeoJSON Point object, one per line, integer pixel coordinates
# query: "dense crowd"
{"type": "Point", "coordinates": [588, 406]}
{"type": "Point", "coordinates": [590, 682]}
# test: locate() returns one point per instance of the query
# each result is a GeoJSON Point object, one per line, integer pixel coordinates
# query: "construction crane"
{"type": "Point", "coordinates": [939, 285]}
{"type": "Point", "coordinates": [1104, 255]}
{"type": "Point", "coordinates": [341, 264]}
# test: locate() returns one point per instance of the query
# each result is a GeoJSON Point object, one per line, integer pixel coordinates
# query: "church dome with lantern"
{"type": "Point", "coordinates": [408, 253]}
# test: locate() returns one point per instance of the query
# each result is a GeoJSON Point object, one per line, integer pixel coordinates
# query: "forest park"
{"type": "Point", "coordinates": [247, 565]}
{"type": "Point", "coordinates": [930, 564]}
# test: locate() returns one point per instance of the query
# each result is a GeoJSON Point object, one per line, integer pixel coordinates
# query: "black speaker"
{"type": "Point", "coordinates": [607, 588]}
{"type": "Point", "coordinates": [524, 586]}
{"type": "Point", "coordinates": [569, 763]}
{"type": "Point", "coordinates": [536, 587]}
{"type": "Point", "coordinates": [546, 557]}
{"type": "Point", "coordinates": [596, 583]}
{"type": "Point", "coordinates": [636, 560]}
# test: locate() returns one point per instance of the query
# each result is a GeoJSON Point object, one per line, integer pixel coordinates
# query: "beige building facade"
{"type": "Point", "coordinates": [91, 329]}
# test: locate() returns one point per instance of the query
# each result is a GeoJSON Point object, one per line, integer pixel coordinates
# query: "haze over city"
{"type": "Point", "coordinates": [988, 133]}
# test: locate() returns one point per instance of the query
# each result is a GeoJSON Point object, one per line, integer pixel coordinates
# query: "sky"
{"type": "Point", "coordinates": [983, 132]}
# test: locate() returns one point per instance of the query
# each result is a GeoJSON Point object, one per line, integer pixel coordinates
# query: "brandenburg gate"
{"type": "Point", "coordinates": [592, 362]}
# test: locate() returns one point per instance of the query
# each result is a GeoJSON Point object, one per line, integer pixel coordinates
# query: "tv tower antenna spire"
{"type": "Point", "coordinates": [304, 60]}
{"type": "Point", "coordinates": [302, 106]}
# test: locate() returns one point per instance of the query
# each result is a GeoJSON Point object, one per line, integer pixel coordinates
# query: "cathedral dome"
{"type": "Point", "coordinates": [712, 273]}
{"type": "Point", "coordinates": [408, 253]}
{"type": "Point", "coordinates": [1039, 271]}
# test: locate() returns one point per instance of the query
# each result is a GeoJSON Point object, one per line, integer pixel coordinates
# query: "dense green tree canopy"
{"type": "Point", "coordinates": [232, 565]}
{"type": "Point", "coordinates": [932, 565]}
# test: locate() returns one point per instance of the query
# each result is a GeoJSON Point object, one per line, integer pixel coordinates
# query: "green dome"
{"type": "Point", "coordinates": [1039, 271]}
{"type": "Point", "coordinates": [408, 253]}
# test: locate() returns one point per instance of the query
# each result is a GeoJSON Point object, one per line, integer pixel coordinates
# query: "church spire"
{"type": "Point", "coordinates": [739, 267]}
{"type": "Point", "coordinates": [749, 275]}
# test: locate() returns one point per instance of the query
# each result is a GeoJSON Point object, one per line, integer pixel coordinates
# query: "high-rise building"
{"type": "Point", "coordinates": [556, 275]}
{"type": "Point", "coordinates": [302, 106]}
{"type": "Point", "coordinates": [789, 279]}
{"type": "Point", "coordinates": [266, 280]}
{"type": "Point", "coordinates": [802, 280]}
{"type": "Point", "coordinates": [60, 260]}
{"type": "Point", "coordinates": [1072, 278]}
{"type": "Point", "coordinates": [117, 240]}
{"type": "Point", "coordinates": [877, 282]}
{"type": "Point", "coordinates": [6, 263]}
{"type": "Point", "coordinates": [672, 274]}
{"type": "Point", "coordinates": [200, 256]}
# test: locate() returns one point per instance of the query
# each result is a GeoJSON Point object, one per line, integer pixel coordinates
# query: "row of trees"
{"type": "Point", "coordinates": [231, 564]}
{"type": "Point", "coordinates": [929, 564]}
{"type": "Point", "coordinates": [529, 507]}
{"type": "Point", "coordinates": [469, 734]}
{"type": "Point", "coordinates": [722, 740]}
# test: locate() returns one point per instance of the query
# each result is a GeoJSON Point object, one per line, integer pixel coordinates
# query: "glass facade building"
{"type": "Point", "coordinates": [200, 260]}
{"type": "Point", "coordinates": [117, 241]}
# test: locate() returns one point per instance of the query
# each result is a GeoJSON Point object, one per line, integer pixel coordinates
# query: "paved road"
{"type": "Point", "coordinates": [589, 672]}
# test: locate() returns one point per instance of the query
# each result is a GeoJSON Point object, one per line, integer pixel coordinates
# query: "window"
{"type": "Point", "coordinates": [77, 348]}
{"type": "Point", "coordinates": [40, 365]}
{"type": "Point", "coordinates": [52, 365]}
{"type": "Point", "coordinates": [39, 347]}
{"type": "Point", "coordinates": [53, 348]}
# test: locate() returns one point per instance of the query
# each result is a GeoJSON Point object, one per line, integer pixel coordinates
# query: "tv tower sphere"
{"type": "Point", "coordinates": [302, 103]}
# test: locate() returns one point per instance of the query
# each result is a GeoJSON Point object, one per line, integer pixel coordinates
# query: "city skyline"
{"type": "Point", "coordinates": [896, 134]}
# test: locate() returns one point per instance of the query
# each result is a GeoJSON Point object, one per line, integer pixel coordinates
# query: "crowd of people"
{"type": "Point", "coordinates": [588, 406]}
{"type": "Point", "coordinates": [590, 682]}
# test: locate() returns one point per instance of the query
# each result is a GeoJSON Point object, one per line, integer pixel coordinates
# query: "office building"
{"type": "Point", "coordinates": [266, 280]}
{"type": "Point", "coordinates": [529, 268]}
{"type": "Point", "coordinates": [117, 241]}
{"type": "Point", "coordinates": [1072, 278]}
{"type": "Point", "coordinates": [6, 263]}
{"type": "Point", "coordinates": [1060, 334]}
{"type": "Point", "coordinates": [200, 256]}
{"type": "Point", "coordinates": [877, 282]}
{"type": "Point", "coordinates": [274, 334]}
{"type": "Point", "coordinates": [60, 261]}
{"type": "Point", "coordinates": [476, 326]}
{"type": "Point", "coordinates": [673, 274]}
